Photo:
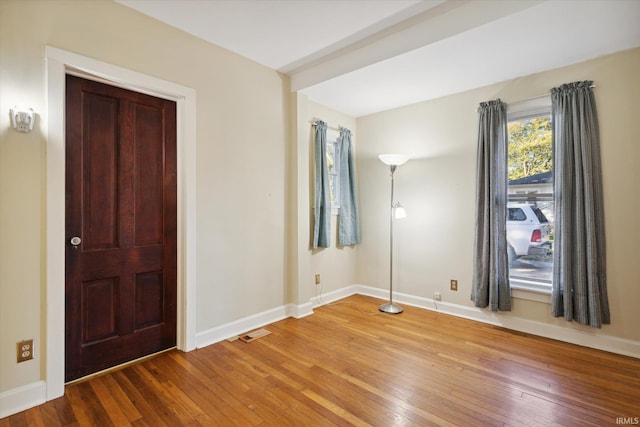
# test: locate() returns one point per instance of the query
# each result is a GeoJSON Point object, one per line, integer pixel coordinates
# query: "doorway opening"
{"type": "Point", "coordinates": [60, 63]}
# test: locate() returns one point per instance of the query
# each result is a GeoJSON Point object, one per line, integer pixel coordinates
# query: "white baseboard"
{"type": "Point", "coordinates": [332, 296]}
{"type": "Point", "coordinates": [22, 398]}
{"type": "Point", "coordinates": [237, 327]}
{"type": "Point", "coordinates": [595, 340]}
{"type": "Point", "coordinates": [588, 339]}
{"type": "Point", "coordinates": [299, 311]}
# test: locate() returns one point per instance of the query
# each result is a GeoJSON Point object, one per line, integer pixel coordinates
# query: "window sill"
{"type": "Point", "coordinates": [539, 295]}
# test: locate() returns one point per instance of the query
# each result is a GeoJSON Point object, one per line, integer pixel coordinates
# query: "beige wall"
{"type": "Point", "coordinates": [242, 119]}
{"type": "Point", "coordinates": [434, 244]}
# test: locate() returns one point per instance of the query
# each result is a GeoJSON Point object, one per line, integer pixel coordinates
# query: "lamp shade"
{"type": "Point", "coordinates": [399, 211]}
{"type": "Point", "coordinates": [393, 159]}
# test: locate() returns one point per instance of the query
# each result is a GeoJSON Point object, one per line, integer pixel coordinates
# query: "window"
{"type": "Point", "coordinates": [530, 197]}
{"type": "Point", "coordinates": [333, 166]}
{"type": "Point", "coordinates": [516, 214]}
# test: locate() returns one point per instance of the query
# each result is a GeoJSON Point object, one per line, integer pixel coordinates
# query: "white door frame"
{"type": "Point", "coordinates": [59, 63]}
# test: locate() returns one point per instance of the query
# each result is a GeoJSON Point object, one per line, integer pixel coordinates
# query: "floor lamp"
{"type": "Point", "coordinates": [397, 211]}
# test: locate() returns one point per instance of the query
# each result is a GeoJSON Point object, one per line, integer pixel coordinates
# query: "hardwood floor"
{"type": "Point", "coordinates": [350, 365]}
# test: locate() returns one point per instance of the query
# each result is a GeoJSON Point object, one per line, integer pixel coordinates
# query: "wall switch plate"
{"type": "Point", "coordinates": [317, 278]}
{"type": "Point", "coordinates": [25, 350]}
{"type": "Point", "coordinates": [454, 285]}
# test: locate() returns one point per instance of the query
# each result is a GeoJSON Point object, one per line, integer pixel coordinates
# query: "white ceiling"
{"type": "Point", "coordinates": [364, 56]}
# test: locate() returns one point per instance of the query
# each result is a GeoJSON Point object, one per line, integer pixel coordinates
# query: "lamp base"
{"type": "Point", "coordinates": [390, 308]}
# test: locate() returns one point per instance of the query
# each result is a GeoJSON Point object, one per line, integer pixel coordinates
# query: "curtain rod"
{"type": "Point", "coordinates": [313, 123]}
{"type": "Point", "coordinates": [531, 98]}
{"type": "Point", "coordinates": [540, 96]}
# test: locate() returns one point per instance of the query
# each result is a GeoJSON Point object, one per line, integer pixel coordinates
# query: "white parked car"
{"type": "Point", "coordinates": [528, 231]}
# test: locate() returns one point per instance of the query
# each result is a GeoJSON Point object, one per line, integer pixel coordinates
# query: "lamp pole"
{"type": "Point", "coordinates": [390, 307]}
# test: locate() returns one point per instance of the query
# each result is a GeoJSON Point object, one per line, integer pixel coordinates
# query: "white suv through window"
{"type": "Point", "coordinates": [528, 231]}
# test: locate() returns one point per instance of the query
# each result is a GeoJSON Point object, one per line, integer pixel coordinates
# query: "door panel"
{"type": "Point", "coordinates": [121, 201]}
{"type": "Point", "coordinates": [99, 308]}
{"type": "Point", "coordinates": [149, 295]}
{"type": "Point", "coordinates": [100, 168]}
{"type": "Point", "coordinates": [148, 178]}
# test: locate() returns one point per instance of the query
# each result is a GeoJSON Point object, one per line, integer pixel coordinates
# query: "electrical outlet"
{"type": "Point", "coordinates": [25, 350]}
{"type": "Point", "coordinates": [454, 285]}
{"type": "Point", "coordinates": [437, 296]}
{"type": "Point", "coordinates": [317, 278]}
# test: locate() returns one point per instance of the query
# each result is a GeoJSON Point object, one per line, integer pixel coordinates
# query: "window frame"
{"type": "Point", "coordinates": [517, 111]}
{"type": "Point", "coordinates": [333, 148]}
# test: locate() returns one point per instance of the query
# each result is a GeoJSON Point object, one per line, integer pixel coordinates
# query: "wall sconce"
{"type": "Point", "coordinates": [22, 119]}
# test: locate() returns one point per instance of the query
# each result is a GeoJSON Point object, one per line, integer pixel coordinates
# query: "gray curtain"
{"type": "Point", "coordinates": [322, 208]}
{"type": "Point", "coordinates": [348, 223]}
{"type": "Point", "coordinates": [579, 277]}
{"type": "Point", "coordinates": [490, 286]}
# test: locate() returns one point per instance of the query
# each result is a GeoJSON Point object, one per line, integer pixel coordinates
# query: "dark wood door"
{"type": "Point", "coordinates": [121, 204]}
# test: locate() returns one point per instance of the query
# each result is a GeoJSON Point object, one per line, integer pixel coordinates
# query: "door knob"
{"type": "Point", "coordinates": [75, 241]}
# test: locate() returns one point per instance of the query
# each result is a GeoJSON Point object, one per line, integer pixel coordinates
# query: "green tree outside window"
{"type": "Point", "coordinates": [530, 150]}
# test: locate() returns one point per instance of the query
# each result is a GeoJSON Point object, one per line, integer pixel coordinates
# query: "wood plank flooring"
{"type": "Point", "coordinates": [348, 364]}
